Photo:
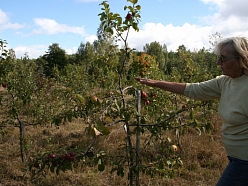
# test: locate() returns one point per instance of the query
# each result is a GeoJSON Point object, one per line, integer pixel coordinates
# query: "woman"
{"type": "Point", "coordinates": [232, 90]}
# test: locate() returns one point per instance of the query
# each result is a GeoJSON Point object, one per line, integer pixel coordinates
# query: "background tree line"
{"type": "Point", "coordinates": [92, 55]}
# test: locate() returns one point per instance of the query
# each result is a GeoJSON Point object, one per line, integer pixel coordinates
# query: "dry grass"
{"type": "Point", "coordinates": [204, 157]}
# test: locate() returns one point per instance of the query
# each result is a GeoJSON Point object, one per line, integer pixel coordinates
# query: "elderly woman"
{"type": "Point", "coordinates": [232, 90]}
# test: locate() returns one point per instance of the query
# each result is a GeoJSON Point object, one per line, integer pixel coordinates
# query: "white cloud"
{"type": "Point", "coordinates": [49, 26]}
{"type": "Point", "coordinates": [231, 17]}
{"type": "Point", "coordinates": [36, 51]}
{"type": "Point", "coordinates": [3, 17]}
{"type": "Point", "coordinates": [91, 38]}
{"type": "Point", "coordinates": [191, 36]}
{"type": "Point", "coordinates": [5, 24]}
{"type": "Point", "coordinates": [72, 50]}
{"type": "Point", "coordinates": [230, 20]}
{"type": "Point", "coordinates": [33, 51]}
{"type": "Point", "coordinates": [217, 2]}
{"type": "Point", "coordinates": [10, 26]}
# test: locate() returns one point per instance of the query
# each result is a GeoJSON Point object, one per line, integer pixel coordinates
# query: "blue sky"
{"type": "Point", "coordinates": [32, 25]}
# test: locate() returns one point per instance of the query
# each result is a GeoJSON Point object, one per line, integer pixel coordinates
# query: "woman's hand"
{"type": "Point", "coordinates": [145, 81]}
{"type": "Point", "coordinates": [141, 80]}
{"type": "Point", "coordinates": [165, 85]}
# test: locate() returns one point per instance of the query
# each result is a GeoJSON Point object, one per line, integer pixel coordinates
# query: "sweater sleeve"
{"type": "Point", "coordinates": [206, 90]}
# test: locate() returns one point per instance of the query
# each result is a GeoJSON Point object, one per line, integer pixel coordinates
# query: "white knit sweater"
{"type": "Point", "coordinates": [233, 109]}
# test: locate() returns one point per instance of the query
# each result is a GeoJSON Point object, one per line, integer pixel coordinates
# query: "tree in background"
{"type": "Point", "coordinates": [159, 51]}
{"type": "Point", "coordinates": [106, 49]}
{"type": "Point", "coordinates": [54, 57]}
{"type": "Point", "coordinates": [7, 60]}
{"type": "Point", "coordinates": [85, 54]}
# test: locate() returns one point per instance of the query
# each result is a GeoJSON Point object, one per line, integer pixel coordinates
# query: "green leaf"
{"type": "Point", "coordinates": [131, 8]}
{"type": "Point", "coordinates": [56, 121]}
{"type": "Point", "coordinates": [109, 30]}
{"type": "Point", "coordinates": [138, 7]}
{"type": "Point", "coordinates": [108, 119]}
{"type": "Point", "coordinates": [133, 1]}
{"type": "Point", "coordinates": [183, 131]}
{"type": "Point", "coordinates": [209, 126]}
{"type": "Point", "coordinates": [80, 98]}
{"type": "Point", "coordinates": [120, 172]}
{"type": "Point", "coordinates": [69, 117]}
{"type": "Point", "coordinates": [127, 116]}
{"type": "Point", "coordinates": [143, 120]}
{"type": "Point", "coordinates": [122, 51]}
{"type": "Point", "coordinates": [116, 15]}
{"type": "Point", "coordinates": [119, 21]}
{"type": "Point", "coordinates": [57, 170]}
{"type": "Point", "coordinates": [102, 128]}
{"type": "Point", "coordinates": [161, 165]}
{"type": "Point", "coordinates": [191, 115]}
{"type": "Point", "coordinates": [95, 161]}
{"type": "Point", "coordinates": [52, 169]}
{"type": "Point", "coordinates": [135, 27]}
{"type": "Point", "coordinates": [101, 167]}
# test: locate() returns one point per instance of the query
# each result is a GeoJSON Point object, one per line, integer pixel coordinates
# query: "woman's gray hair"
{"type": "Point", "coordinates": [239, 46]}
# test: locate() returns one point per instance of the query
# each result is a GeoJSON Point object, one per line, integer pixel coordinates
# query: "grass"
{"type": "Point", "coordinates": [203, 157]}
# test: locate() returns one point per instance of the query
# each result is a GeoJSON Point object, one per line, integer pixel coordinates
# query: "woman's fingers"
{"type": "Point", "coordinates": [137, 78]}
{"type": "Point", "coordinates": [141, 80]}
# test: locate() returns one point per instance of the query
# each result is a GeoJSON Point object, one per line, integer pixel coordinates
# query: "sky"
{"type": "Point", "coordinates": [31, 26]}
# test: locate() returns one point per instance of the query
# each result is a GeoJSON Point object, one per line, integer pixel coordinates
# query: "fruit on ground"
{"type": "Point", "coordinates": [94, 98]}
{"type": "Point", "coordinates": [67, 156]}
{"type": "Point", "coordinates": [72, 154]}
{"type": "Point", "coordinates": [52, 156]}
{"type": "Point", "coordinates": [174, 148]}
{"type": "Point", "coordinates": [4, 85]}
{"type": "Point", "coordinates": [37, 165]}
{"type": "Point", "coordinates": [147, 102]}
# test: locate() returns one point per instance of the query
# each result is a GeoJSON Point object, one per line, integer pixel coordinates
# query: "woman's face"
{"type": "Point", "coordinates": [229, 63]}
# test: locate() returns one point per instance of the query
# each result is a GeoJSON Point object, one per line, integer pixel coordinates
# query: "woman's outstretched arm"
{"type": "Point", "coordinates": [173, 87]}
